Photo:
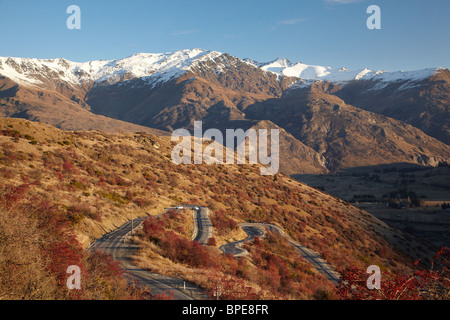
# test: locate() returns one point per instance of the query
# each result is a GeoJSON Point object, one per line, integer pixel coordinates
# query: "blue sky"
{"type": "Point", "coordinates": [415, 34]}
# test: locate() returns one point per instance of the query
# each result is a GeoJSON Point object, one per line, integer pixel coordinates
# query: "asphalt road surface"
{"type": "Point", "coordinates": [259, 229]}
{"type": "Point", "coordinates": [235, 248]}
{"type": "Point", "coordinates": [118, 245]}
{"type": "Point", "coordinates": [204, 226]}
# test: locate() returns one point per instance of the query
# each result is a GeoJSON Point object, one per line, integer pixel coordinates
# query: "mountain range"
{"type": "Point", "coordinates": [329, 119]}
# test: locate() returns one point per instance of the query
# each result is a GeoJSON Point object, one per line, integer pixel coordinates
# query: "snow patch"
{"type": "Point", "coordinates": [156, 68]}
{"type": "Point", "coordinates": [308, 73]}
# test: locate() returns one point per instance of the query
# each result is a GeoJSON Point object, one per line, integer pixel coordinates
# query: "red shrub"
{"type": "Point", "coordinates": [67, 165]}
{"type": "Point", "coordinates": [212, 241]}
{"type": "Point", "coordinates": [153, 228]}
{"type": "Point", "coordinates": [433, 284]}
{"type": "Point", "coordinates": [183, 250]}
{"type": "Point", "coordinates": [221, 222]}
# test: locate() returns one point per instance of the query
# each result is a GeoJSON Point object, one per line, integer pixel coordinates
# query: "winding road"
{"type": "Point", "coordinates": [121, 249]}
{"type": "Point", "coordinates": [204, 226]}
{"type": "Point", "coordinates": [260, 229]}
{"type": "Point", "coordinates": [235, 248]}
{"type": "Point", "coordinates": [118, 244]}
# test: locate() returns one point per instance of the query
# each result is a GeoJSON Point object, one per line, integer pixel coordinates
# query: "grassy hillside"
{"type": "Point", "coordinates": [93, 182]}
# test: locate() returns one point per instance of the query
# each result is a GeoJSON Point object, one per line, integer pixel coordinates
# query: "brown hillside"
{"type": "Point", "coordinates": [345, 135]}
{"type": "Point", "coordinates": [60, 108]}
{"type": "Point", "coordinates": [98, 179]}
{"type": "Point", "coordinates": [426, 105]}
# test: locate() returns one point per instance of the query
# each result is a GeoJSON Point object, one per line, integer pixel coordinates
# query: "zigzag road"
{"type": "Point", "coordinates": [259, 229]}
{"type": "Point", "coordinates": [118, 245]}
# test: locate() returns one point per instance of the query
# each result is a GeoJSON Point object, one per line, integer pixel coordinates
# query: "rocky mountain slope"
{"type": "Point", "coordinates": [424, 103]}
{"type": "Point", "coordinates": [331, 119]}
{"type": "Point", "coordinates": [345, 135]}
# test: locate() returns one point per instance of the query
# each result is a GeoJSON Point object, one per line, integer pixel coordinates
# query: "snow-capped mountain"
{"type": "Point", "coordinates": [313, 72]}
{"type": "Point", "coordinates": [327, 115]}
{"type": "Point", "coordinates": [155, 68]}
{"type": "Point", "coordinates": [163, 67]}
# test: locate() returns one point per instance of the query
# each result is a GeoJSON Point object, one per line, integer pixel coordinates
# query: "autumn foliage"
{"type": "Point", "coordinates": [88, 181]}
{"type": "Point", "coordinates": [37, 246]}
{"type": "Point", "coordinates": [176, 247]}
{"type": "Point", "coordinates": [427, 284]}
{"type": "Point", "coordinates": [221, 222]}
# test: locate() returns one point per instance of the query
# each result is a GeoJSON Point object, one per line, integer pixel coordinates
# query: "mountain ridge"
{"type": "Point", "coordinates": [163, 65]}
{"type": "Point", "coordinates": [172, 90]}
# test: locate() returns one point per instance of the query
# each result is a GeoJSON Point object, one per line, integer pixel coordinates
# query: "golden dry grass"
{"type": "Point", "coordinates": [99, 181]}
